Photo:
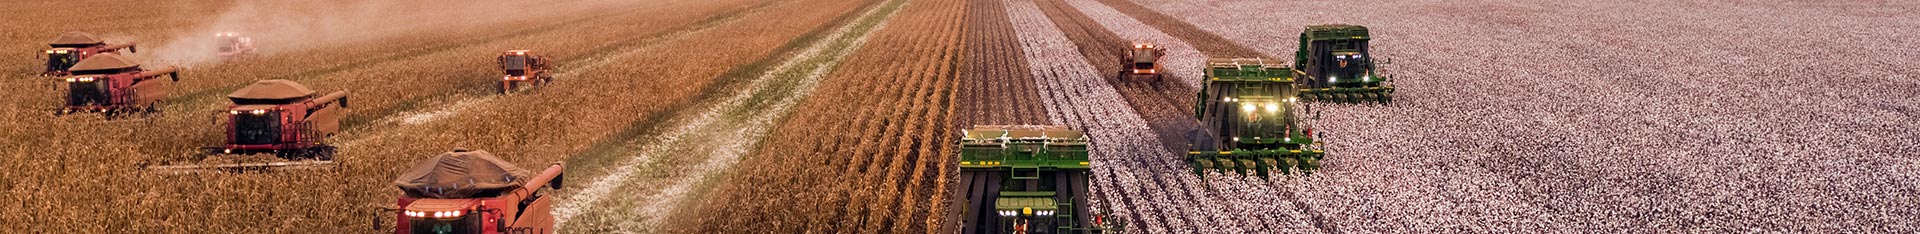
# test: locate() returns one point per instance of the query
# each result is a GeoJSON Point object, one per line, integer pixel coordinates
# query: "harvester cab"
{"type": "Point", "coordinates": [111, 84]}
{"type": "Point", "coordinates": [70, 48]}
{"type": "Point", "coordinates": [283, 118]}
{"type": "Point", "coordinates": [465, 191]}
{"type": "Point", "coordinates": [233, 45]}
{"type": "Point", "coordinates": [1142, 60]}
{"type": "Point", "coordinates": [1026, 179]}
{"type": "Point", "coordinates": [523, 69]}
{"type": "Point", "coordinates": [1336, 66]}
{"type": "Point", "coordinates": [1248, 122]}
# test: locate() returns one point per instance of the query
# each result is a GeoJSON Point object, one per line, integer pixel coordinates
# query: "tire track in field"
{"type": "Point", "coordinates": [728, 128]}
{"type": "Point", "coordinates": [567, 67]}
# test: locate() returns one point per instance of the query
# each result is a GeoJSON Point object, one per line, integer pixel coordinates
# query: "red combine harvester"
{"type": "Point", "coordinates": [474, 192]}
{"type": "Point", "coordinates": [523, 70]}
{"type": "Point", "coordinates": [112, 85]}
{"type": "Point", "coordinates": [71, 47]}
{"type": "Point", "coordinates": [283, 118]}
{"type": "Point", "coordinates": [234, 45]}
{"type": "Point", "coordinates": [1142, 60]}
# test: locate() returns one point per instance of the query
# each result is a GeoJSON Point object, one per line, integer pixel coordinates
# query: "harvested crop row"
{"type": "Point", "coordinates": [1251, 199]}
{"type": "Point", "coordinates": [569, 118]}
{"type": "Point", "coordinates": [1134, 175]}
{"type": "Point", "coordinates": [728, 126]}
{"type": "Point", "coordinates": [995, 86]}
{"type": "Point", "coordinates": [1606, 116]}
{"type": "Point", "coordinates": [895, 119]}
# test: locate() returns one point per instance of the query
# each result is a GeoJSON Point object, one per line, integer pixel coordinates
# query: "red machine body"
{"type": "Point", "coordinates": [61, 57]}
{"type": "Point", "coordinates": [129, 90]}
{"type": "Point", "coordinates": [281, 117]}
{"type": "Point", "coordinates": [523, 69]}
{"type": "Point", "coordinates": [234, 45]}
{"type": "Point", "coordinates": [526, 209]}
{"type": "Point", "coordinates": [1143, 59]}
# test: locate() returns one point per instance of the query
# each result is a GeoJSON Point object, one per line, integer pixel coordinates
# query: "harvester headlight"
{"type": "Point", "coordinates": [1273, 107]}
{"type": "Point", "coordinates": [258, 112]}
{"type": "Point", "coordinates": [1246, 107]}
{"type": "Point", "coordinates": [1331, 78]}
{"type": "Point", "coordinates": [1293, 99]}
{"type": "Point", "coordinates": [234, 112]}
{"type": "Point", "coordinates": [86, 79]}
{"type": "Point", "coordinates": [1005, 213]}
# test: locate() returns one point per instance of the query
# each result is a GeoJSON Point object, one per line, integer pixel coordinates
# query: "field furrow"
{"type": "Point", "coordinates": [877, 132]}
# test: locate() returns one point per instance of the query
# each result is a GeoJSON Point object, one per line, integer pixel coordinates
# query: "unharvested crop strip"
{"type": "Point", "coordinates": [756, 74]}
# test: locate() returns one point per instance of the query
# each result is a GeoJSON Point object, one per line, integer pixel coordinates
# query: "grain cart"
{"type": "Point", "coordinates": [72, 47]}
{"type": "Point", "coordinates": [283, 118]}
{"type": "Point", "coordinates": [1142, 60]}
{"type": "Point", "coordinates": [474, 192]}
{"type": "Point", "coordinates": [1335, 66]}
{"type": "Point", "coordinates": [111, 84]}
{"type": "Point", "coordinates": [1026, 179]}
{"type": "Point", "coordinates": [233, 45]}
{"type": "Point", "coordinates": [523, 70]}
{"type": "Point", "coordinates": [1247, 121]}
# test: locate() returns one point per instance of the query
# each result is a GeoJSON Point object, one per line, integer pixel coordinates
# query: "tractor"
{"type": "Point", "coordinates": [72, 47]}
{"type": "Point", "coordinates": [233, 45]}
{"type": "Point", "coordinates": [467, 191]}
{"type": "Point", "coordinates": [111, 84]}
{"type": "Point", "coordinates": [523, 70]}
{"type": "Point", "coordinates": [283, 118]}
{"type": "Point", "coordinates": [1142, 60]}
{"type": "Point", "coordinates": [1026, 179]}
{"type": "Point", "coordinates": [1335, 66]}
{"type": "Point", "coordinates": [1248, 122]}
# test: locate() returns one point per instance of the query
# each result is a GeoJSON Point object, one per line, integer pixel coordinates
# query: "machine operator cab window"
{"type": "Point", "coordinates": [256, 124]}
{"type": "Point", "coordinates": [516, 63]}
{"type": "Point", "coordinates": [1142, 56]}
{"type": "Point", "coordinates": [61, 58]}
{"type": "Point", "coordinates": [444, 216]}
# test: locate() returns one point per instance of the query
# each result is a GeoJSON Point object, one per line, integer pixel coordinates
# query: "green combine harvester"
{"type": "Point", "coordinates": [1335, 66]}
{"type": "Point", "coordinates": [1247, 121]}
{"type": "Point", "coordinates": [1026, 179]}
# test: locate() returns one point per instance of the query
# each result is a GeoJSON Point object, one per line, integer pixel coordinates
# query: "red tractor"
{"type": "Point", "coordinates": [523, 70]}
{"type": "Point", "coordinates": [233, 45]}
{"type": "Point", "coordinates": [1142, 60]}
{"type": "Point", "coordinates": [71, 47]}
{"type": "Point", "coordinates": [283, 118]}
{"type": "Point", "coordinates": [474, 192]}
{"type": "Point", "coordinates": [111, 84]}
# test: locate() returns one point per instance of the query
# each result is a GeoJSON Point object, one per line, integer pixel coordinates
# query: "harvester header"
{"type": "Point", "coordinates": [1247, 121]}
{"type": "Point", "coordinates": [1337, 66]}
